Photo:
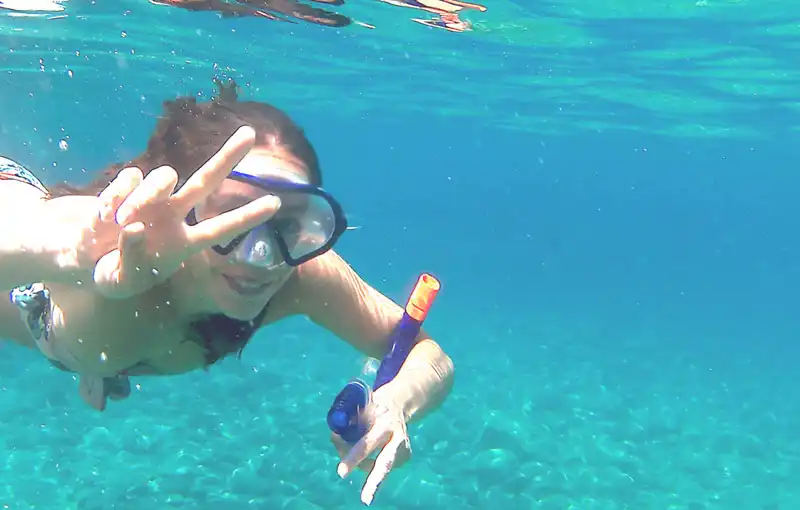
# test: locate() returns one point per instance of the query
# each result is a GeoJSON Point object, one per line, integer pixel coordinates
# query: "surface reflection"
{"type": "Point", "coordinates": [275, 10]}
{"type": "Point", "coordinates": [445, 13]}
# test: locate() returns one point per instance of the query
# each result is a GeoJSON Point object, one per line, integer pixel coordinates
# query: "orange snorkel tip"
{"type": "Point", "coordinates": [422, 297]}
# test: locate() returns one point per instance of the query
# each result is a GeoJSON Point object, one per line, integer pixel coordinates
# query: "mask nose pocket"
{"type": "Point", "coordinates": [261, 253]}
{"type": "Point", "coordinates": [257, 248]}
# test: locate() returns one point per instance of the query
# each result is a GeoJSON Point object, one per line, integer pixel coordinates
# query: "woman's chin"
{"type": "Point", "coordinates": [243, 301]}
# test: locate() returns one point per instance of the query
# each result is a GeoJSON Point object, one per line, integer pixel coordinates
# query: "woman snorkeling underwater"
{"type": "Point", "coordinates": [158, 267]}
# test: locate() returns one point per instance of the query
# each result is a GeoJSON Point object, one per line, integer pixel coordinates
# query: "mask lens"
{"type": "Point", "coordinates": [304, 226]}
{"type": "Point", "coordinates": [305, 223]}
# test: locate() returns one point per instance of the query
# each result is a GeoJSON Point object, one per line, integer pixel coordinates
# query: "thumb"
{"type": "Point", "coordinates": [116, 273]}
{"type": "Point", "coordinates": [133, 254]}
{"type": "Point", "coordinates": [106, 274]}
{"type": "Point", "coordinates": [343, 448]}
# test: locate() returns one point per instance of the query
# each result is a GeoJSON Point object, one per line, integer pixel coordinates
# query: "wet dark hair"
{"type": "Point", "coordinates": [189, 133]}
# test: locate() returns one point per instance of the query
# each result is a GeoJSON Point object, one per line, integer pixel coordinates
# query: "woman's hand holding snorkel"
{"type": "Point", "coordinates": [388, 435]}
{"type": "Point", "coordinates": [155, 239]}
{"type": "Point", "coordinates": [374, 417]}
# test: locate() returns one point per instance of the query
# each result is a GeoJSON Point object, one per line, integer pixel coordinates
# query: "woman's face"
{"type": "Point", "coordinates": [239, 289]}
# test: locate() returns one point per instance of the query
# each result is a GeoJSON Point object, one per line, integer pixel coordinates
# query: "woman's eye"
{"type": "Point", "coordinates": [287, 224]}
{"type": "Point", "coordinates": [227, 206]}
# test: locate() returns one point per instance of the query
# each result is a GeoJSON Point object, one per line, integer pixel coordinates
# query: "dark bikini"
{"type": "Point", "coordinates": [221, 336]}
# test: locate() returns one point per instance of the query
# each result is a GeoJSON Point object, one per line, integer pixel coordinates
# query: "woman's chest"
{"type": "Point", "coordinates": [90, 334]}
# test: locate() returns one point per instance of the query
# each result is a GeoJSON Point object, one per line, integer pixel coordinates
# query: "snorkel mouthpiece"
{"type": "Point", "coordinates": [348, 408]}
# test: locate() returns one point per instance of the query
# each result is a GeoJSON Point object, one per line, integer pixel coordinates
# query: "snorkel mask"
{"type": "Point", "coordinates": [308, 224]}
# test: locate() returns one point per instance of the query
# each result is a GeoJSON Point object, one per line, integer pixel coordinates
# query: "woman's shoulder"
{"type": "Point", "coordinates": [310, 283]}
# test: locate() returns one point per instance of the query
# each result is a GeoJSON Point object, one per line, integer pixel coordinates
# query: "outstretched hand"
{"type": "Point", "coordinates": [155, 239]}
{"type": "Point", "coordinates": [388, 436]}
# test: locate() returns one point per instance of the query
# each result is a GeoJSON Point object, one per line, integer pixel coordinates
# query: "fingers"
{"type": "Point", "coordinates": [91, 391]}
{"type": "Point", "coordinates": [208, 178]}
{"type": "Point", "coordinates": [106, 273]}
{"type": "Point", "coordinates": [133, 253]}
{"type": "Point", "coordinates": [117, 191]}
{"type": "Point", "coordinates": [340, 444]}
{"type": "Point", "coordinates": [221, 229]}
{"type": "Point", "coordinates": [342, 447]}
{"type": "Point", "coordinates": [156, 187]}
{"type": "Point", "coordinates": [383, 465]}
{"type": "Point", "coordinates": [115, 273]}
{"type": "Point", "coordinates": [374, 438]}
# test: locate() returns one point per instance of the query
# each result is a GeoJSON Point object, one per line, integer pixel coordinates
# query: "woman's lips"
{"type": "Point", "coordinates": [246, 286]}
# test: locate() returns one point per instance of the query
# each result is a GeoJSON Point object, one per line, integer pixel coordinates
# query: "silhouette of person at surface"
{"type": "Point", "coordinates": [436, 6]}
{"type": "Point", "coordinates": [446, 12]}
{"type": "Point", "coordinates": [303, 11]}
{"type": "Point", "coordinates": [450, 22]}
{"type": "Point", "coordinates": [275, 10]}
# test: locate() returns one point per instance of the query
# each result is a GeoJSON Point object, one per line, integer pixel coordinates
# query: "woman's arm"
{"type": "Point", "coordinates": [329, 292]}
{"type": "Point", "coordinates": [23, 255]}
{"type": "Point", "coordinates": [22, 251]}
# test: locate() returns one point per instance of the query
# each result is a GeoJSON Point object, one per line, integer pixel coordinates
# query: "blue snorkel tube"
{"type": "Point", "coordinates": [347, 416]}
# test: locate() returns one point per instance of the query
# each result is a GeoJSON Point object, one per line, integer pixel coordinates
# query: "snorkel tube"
{"type": "Point", "coordinates": [348, 416]}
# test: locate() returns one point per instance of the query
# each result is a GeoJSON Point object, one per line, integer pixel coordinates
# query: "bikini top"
{"type": "Point", "coordinates": [218, 335]}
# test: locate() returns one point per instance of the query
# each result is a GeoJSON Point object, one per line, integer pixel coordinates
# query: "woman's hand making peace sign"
{"type": "Point", "coordinates": [155, 239]}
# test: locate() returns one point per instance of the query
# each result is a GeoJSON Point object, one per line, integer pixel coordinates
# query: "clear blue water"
{"type": "Point", "coordinates": [607, 192]}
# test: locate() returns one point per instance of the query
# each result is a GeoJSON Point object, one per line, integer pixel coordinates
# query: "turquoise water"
{"type": "Point", "coordinates": [606, 190]}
